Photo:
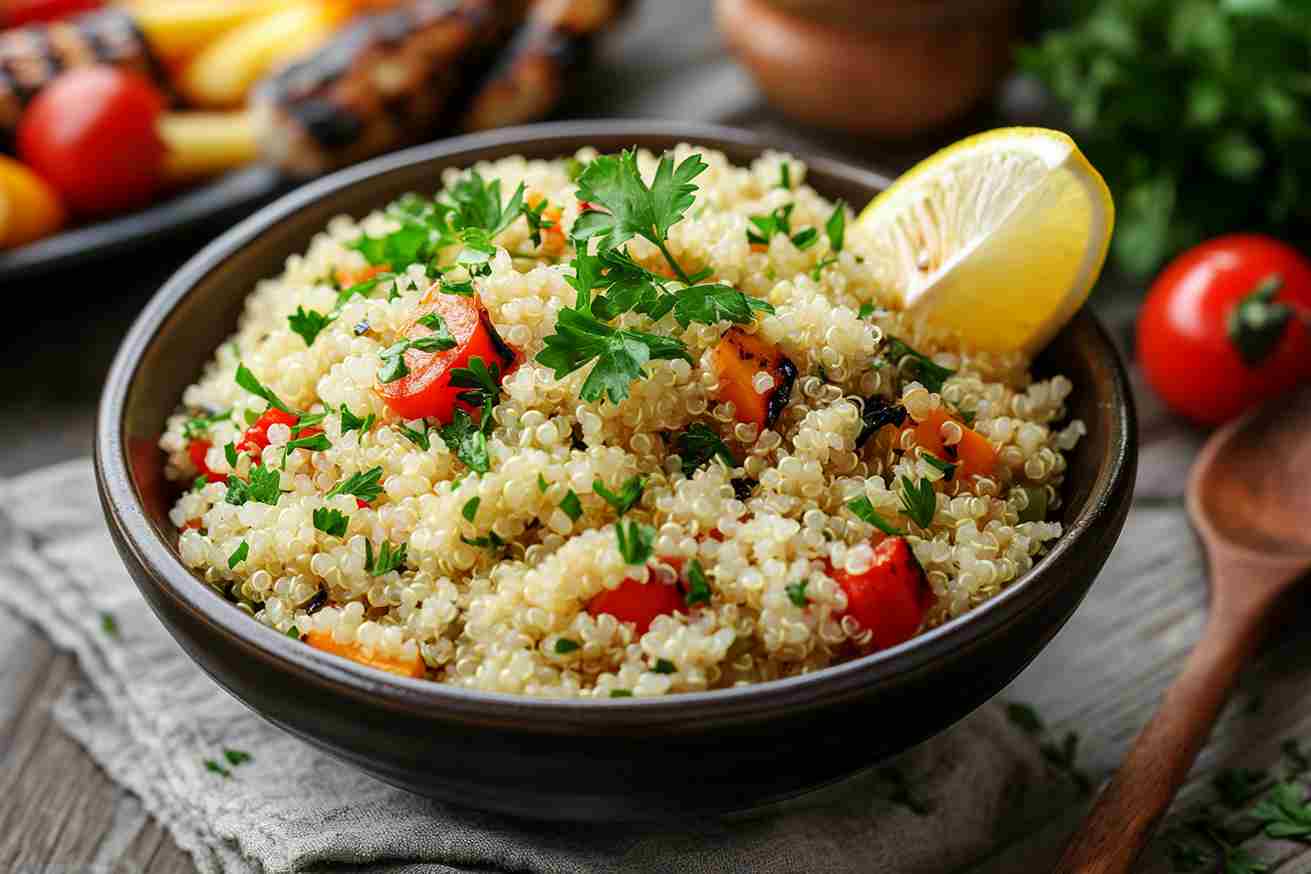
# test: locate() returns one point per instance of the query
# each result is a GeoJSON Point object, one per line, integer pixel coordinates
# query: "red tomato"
{"type": "Point", "coordinates": [637, 602]}
{"type": "Point", "coordinates": [21, 12]}
{"type": "Point", "coordinates": [891, 598]}
{"type": "Point", "coordinates": [197, 449]}
{"type": "Point", "coordinates": [426, 392]}
{"type": "Point", "coordinates": [1213, 340]}
{"type": "Point", "coordinates": [257, 435]}
{"type": "Point", "coordinates": [91, 134]}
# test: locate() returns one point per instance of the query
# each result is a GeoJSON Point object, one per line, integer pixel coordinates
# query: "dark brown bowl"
{"type": "Point", "coordinates": [622, 759]}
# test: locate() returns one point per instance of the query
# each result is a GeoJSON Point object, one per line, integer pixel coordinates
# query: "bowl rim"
{"type": "Point", "coordinates": [124, 508]}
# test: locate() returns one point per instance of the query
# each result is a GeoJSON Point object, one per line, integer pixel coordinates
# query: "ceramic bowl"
{"type": "Point", "coordinates": [620, 759]}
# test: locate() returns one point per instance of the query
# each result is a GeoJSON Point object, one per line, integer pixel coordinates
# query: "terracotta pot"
{"type": "Point", "coordinates": [890, 68]}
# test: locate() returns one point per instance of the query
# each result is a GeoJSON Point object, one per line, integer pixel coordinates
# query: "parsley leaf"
{"type": "Point", "coordinates": [361, 289]}
{"type": "Point", "coordinates": [564, 646]}
{"type": "Point", "coordinates": [247, 380]}
{"type": "Point", "coordinates": [1284, 812]}
{"type": "Point", "coordinates": [389, 558]}
{"type": "Point", "coordinates": [214, 767]}
{"type": "Point", "coordinates": [796, 593]}
{"type": "Point", "coordinates": [364, 486]}
{"type": "Point", "coordinates": [865, 511]}
{"type": "Point", "coordinates": [629, 493]}
{"type": "Point", "coordinates": [620, 354]}
{"type": "Point", "coordinates": [467, 441]}
{"type": "Point", "coordinates": [663, 666]}
{"type": "Point", "coordinates": [620, 693]}
{"type": "Point", "coordinates": [331, 522]}
{"type": "Point", "coordinates": [418, 438]}
{"type": "Point", "coordinates": [237, 757]}
{"type": "Point", "coordinates": [198, 426]}
{"type": "Point", "coordinates": [785, 176]}
{"type": "Point", "coordinates": [314, 443]}
{"type": "Point", "coordinates": [636, 541]}
{"type": "Point", "coordinates": [572, 507]}
{"type": "Point", "coordinates": [709, 304]}
{"type": "Point", "coordinates": [485, 385]}
{"type": "Point", "coordinates": [919, 501]}
{"type": "Point", "coordinates": [614, 182]}
{"type": "Point", "coordinates": [470, 508]}
{"type": "Point", "coordinates": [230, 454]}
{"type": "Point", "coordinates": [108, 624]}
{"type": "Point", "coordinates": [351, 422]}
{"type": "Point", "coordinates": [836, 227]}
{"type": "Point", "coordinates": [238, 555]}
{"type": "Point", "coordinates": [542, 485]}
{"type": "Point", "coordinates": [779, 222]}
{"type": "Point", "coordinates": [867, 310]}
{"type": "Point", "coordinates": [308, 323]}
{"type": "Point", "coordinates": [948, 469]}
{"type": "Point", "coordinates": [698, 587]}
{"type": "Point", "coordinates": [698, 444]}
{"type": "Point", "coordinates": [491, 541]}
{"type": "Point", "coordinates": [923, 368]}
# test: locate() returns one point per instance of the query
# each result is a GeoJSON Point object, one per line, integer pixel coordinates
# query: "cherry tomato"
{"type": "Point", "coordinates": [426, 390]}
{"type": "Point", "coordinates": [91, 134]}
{"type": "Point", "coordinates": [197, 450]}
{"type": "Point", "coordinates": [890, 599]}
{"type": "Point", "coordinates": [638, 602]}
{"type": "Point", "coordinates": [20, 12]}
{"type": "Point", "coordinates": [257, 435]}
{"type": "Point", "coordinates": [1223, 327]}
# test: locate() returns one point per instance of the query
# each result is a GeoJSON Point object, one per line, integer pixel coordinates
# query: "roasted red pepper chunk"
{"type": "Point", "coordinates": [426, 391]}
{"type": "Point", "coordinates": [637, 602]}
{"type": "Point", "coordinates": [197, 449]}
{"type": "Point", "coordinates": [257, 435]}
{"type": "Point", "coordinates": [890, 599]}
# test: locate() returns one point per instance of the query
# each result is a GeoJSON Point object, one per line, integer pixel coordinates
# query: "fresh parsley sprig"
{"type": "Point", "coordinates": [627, 496]}
{"type": "Point", "coordinates": [919, 501]}
{"type": "Point", "coordinates": [636, 541]}
{"type": "Point", "coordinates": [364, 485]}
{"type": "Point", "coordinates": [331, 522]}
{"type": "Point", "coordinates": [698, 445]}
{"type": "Point", "coordinates": [198, 426]}
{"type": "Point", "coordinates": [468, 441]}
{"type": "Point", "coordinates": [389, 558]}
{"type": "Point", "coordinates": [779, 223]}
{"type": "Point", "coordinates": [620, 353]}
{"type": "Point", "coordinates": [698, 586]}
{"type": "Point", "coordinates": [308, 323]}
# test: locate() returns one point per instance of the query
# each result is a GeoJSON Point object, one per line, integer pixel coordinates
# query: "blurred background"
{"type": "Point", "coordinates": [133, 132]}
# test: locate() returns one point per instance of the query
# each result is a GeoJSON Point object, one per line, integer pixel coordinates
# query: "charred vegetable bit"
{"type": "Point", "coordinates": [876, 415]}
{"type": "Point", "coordinates": [737, 360]}
{"type": "Point", "coordinates": [743, 487]}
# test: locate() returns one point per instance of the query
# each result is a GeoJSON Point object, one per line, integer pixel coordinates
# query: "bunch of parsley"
{"type": "Point", "coordinates": [1197, 112]}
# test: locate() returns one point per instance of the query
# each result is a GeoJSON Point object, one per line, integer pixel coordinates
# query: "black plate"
{"type": "Point", "coordinates": [230, 197]}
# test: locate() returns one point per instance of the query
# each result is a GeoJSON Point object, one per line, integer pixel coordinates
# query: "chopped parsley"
{"type": "Point", "coordinates": [393, 357]}
{"type": "Point", "coordinates": [198, 426]}
{"type": "Point", "coordinates": [536, 224]}
{"type": "Point", "coordinates": [627, 496]}
{"type": "Point", "coordinates": [698, 444]}
{"type": "Point", "coordinates": [238, 555]}
{"type": "Point", "coordinates": [785, 176]}
{"type": "Point", "coordinates": [389, 558]}
{"type": "Point", "coordinates": [779, 222]}
{"type": "Point", "coordinates": [263, 487]}
{"type": "Point", "coordinates": [867, 310]}
{"type": "Point", "coordinates": [836, 226]}
{"type": "Point", "coordinates": [418, 438]}
{"type": "Point", "coordinates": [620, 693]}
{"type": "Point", "coordinates": [698, 587]}
{"type": "Point", "coordinates": [948, 469]}
{"type": "Point", "coordinates": [491, 541]}
{"type": "Point", "coordinates": [314, 443]}
{"type": "Point", "coordinates": [214, 767]}
{"type": "Point", "coordinates": [484, 384]}
{"type": "Point", "coordinates": [664, 666]}
{"type": "Point", "coordinates": [467, 441]}
{"type": "Point", "coordinates": [619, 354]}
{"type": "Point", "coordinates": [542, 485]}
{"type": "Point", "coordinates": [247, 380]}
{"type": "Point", "coordinates": [864, 510]}
{"type": "Point", "coordinates": [331, 522]}
{"type": "Point", "coordinates": [1284, 812]}
{"type": "Point", "coordinates": [108, 624]}
{"type": "Point", "coordinates": [199, 483]}
{"type": "Point", "coordinates": [923, 368]}
{"type": "Point", "coordinates": [308, 324]}
{"type": "Point", "coordinates": [362, 289]}
{"type": "Point", "coordinates": [351, 422]}
{"type": "Point", "coordinates": [470, 508]}
{"type": "Point", "coordinates": [572, 507]}
{"type": "Point", "coordinates": [364, 486]}
{"type": "Point", "coordinates": [293, 632]}
{"type": "Point", "coordinates": [636, 541]}
{"type": "Point", "coordinates": [919, 501]}
{"type": "Point", "coordinates": [230, 453]}
{"type": "Point", "coordinates": [564, 646]}
{"type": "Point", "coordinates": [237, 757]}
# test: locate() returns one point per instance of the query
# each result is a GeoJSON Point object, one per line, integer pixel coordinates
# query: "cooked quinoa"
{"type": "Point", "coordinates": [492, 590]}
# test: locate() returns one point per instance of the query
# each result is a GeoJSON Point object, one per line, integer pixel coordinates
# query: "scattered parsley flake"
{"type": "Point", "coordinates": [216, 768]}
{"type": "Point", "coordinates": [199, 483]}
{"type": "Point", "coordinates": [293, 632]}
{"type": "Point", "coordinates": [698, 587]}
{"type": "Point", "coordinates": [1284, 812]}
{"type": "Point", "coordinates": [198, 426]}
{"type": "Point", "coordinates": [247, 380]}
{"type": "Point", "coordinates": [627, 496]}
{"type": "Point", "coordinates": [564, 646]}
{"type": "Point", "coordinates": [572, 507]}
{"type": "Point", "coordinates": [919, 501]}
{"type": "Point", "coordinates": [467, 441]}
{"type": "Point", "coordinates": [230, 453]}
{"type": "Point", "coordinates": [491, 541]}
{"type": "Point", "coordinates": [542, 485]}
{"type": "Point", "coordinates": [108, 624]}
{"type": "Point", "coordinates": [314, 443]}
{"type": "Point", "coordinates": [484, 384]}
{"type": "Point", "coordinates": [364, 486]}
{"type": "Point", "coordinates": [237, 757]}
{"type": "Point", "coordinates": [867, 310]}
{"type": "Point", "coordinates": [389, 558]}
{"type": "Point", "coordinates": [698, 445]}
{"type": "Point", "coordinates": [636, 541]}
{"type": "Point", "coordinates": [836, 226]}
{"type": "Point", "coordinates": [785, 176]}
{"type": "Point", "coordinates": [948, 469]}
{"type": "Point", "coordinates": [664, 666]}
{"type": "Point", "coordinates": [238, 555]}
{"type": "Point", "coordinates": [470, 509]}
{"type": "Point", "coordinates": [418, 438]}
{"type": "Point", "coordinates": [331, 522]}
{"type": "Point", "coordinates": [620, 693]}
{"type": "Point", "coordinates": [796, 593]}
{"type": "Point", "coordinates": [264, 485]}
{"type": "Point", "coordinates": [351, 422]}
{"type": "Point", "coordinates": [308, 324]}
{"type": "Point", "coordinates": [923, 368]}
{"type": "Point", "coordinates": [864, 510]}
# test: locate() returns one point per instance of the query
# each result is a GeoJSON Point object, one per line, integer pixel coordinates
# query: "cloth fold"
{"type": "Point", "coordinates": [152, 720]}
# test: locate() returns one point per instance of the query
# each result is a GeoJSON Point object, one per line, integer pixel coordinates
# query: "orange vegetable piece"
{"type": "Point", "coordinates": [353, 651]}
{"type": "Point", "coordinates": [348, 278]}
{"type": "Point", "coordinates": [737, 358]}
{"type": "Point", "coordinates": [973, 455]}
{"type": "Point", "coordinates": [890, 599]}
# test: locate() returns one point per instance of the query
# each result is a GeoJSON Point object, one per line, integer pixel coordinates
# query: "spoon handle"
{"type": "Point", "coordinates": [1125, 814]}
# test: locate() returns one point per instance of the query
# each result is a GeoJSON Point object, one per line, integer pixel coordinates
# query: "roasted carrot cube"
{"type": "Point", "coordinates": [737, 359]}
{"type": "Point", "coordinates": [353, 651]}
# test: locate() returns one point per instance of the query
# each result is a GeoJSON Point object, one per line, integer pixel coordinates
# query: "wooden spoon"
{"type": "Point", "coordinates": [1249, 496]}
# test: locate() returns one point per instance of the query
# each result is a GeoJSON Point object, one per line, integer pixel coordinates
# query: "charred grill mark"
{"type": "Point", "coordinates": [787, 376]}
{"type": "Point", "coordinates": [877, 414]}
{"type": "Point", "coordinates": [743, 487]}
{"type": "Point", "coordinates": [504, 350]}
{"type": "Point", "coordinates": [315, 604]}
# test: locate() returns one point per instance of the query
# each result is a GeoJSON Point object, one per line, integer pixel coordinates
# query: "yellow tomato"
{"type": "Point", "coordinates": [34, 210]}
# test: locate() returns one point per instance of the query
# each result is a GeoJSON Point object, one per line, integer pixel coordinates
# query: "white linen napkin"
{"type": "Point", "coordinates": [152, 719]}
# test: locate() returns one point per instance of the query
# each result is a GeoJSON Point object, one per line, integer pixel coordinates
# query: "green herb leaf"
{"type": "Point", "coordinates": [485, 385]}
{"type": "Point", "coordinates": [867, 310]}
{"type": "Point", "coordinates": [390, 558]}
{"type": "Point", "coordinates": [711, 304]}
{"type": "Point", "coordinates": [785, 176]}
{"type": "Point", "coordinates": [331, 522]}
{"type": "Point", "coordinates": [237, 757]}
{"type": "Point", "coordinates": [216, 768]}
{"type": "Point", "coordinates": [470, 508]}
{"type": "Point", "coordinates": [836, 227]}
{"type": "Point", "coordinates": [238, 555]}
{"type": "Point", "coordinates": [264, 485]}
{"type": "Point", "coordinates": [418, 438]}
{"type": "Point", "coordinates": [636, 541]}
{"type": "Point", "coordinates": [620, 355]}
{"type": "Point", "coordinates": [542, 484]}
{"type": "Point", "coordinates": [865, 511]}
{"type": "Point", "coordinates": [351, 422]}
{"type": "Point", "coordinates": [247, 380]}
{"type": "Point", "coordinates": [230, 454]}
{"type": "Point", "coordinates": [308, 324]}
{"type": "Point", "coordinates": [564, 646]}
{"type": "Point", "coordinates": [572, 507]}
{"type": "Point", "coordinates": [930, 374]}
{"type": "Point", "coordinates": [664, 666]}
{"type": "Point", "coordinates": [293, 632]}
{"type": "Point", "coordinates": [1284, 812]}
{"type": "Point", "coordinates": [491, 541]}
{"type": "Point", "coordinates": [620, 693]}
{"type": "Point", "coordinates": [364, 486]}
{"type": "Point", "coordinates": [108, 624]}
{"type": "Point", "coordinates": [796, 593]}
{"type": "Point", "coordinates": [919, 501]}
{"type": "Point", "coordinates": [467, 441]}
{"type": "Point", "coordinates": [628, 495]}
{"type": "Point", "coordinates": [697, 445]}
{"type": "Point", "coordinates": [198, 426]}
{"type": "Point", "coordinates": [948, 469]}
{"type": "Point", "coordinates": [360, 289]}
{"type": "Point", "coordinates": [698, 587]}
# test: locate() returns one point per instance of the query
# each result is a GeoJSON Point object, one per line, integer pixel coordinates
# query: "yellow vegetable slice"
{"type": "Point", "coordinates": [181, 28]}
{"type": "Point", "coordinates": [203, 144]}
{"type": "Point", "coordinates": [34, 208]}
{"type": "Point", "coordinates": [996, 240]}
{"type": "Point", "coordinates": [222, 74]}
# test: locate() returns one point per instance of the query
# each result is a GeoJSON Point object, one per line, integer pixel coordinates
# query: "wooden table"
{"type": "Point", "coordinates": [57, 807]}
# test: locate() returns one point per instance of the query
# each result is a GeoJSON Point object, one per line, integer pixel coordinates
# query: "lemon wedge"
{"type": "Point", "coordinates": [996, 240]}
